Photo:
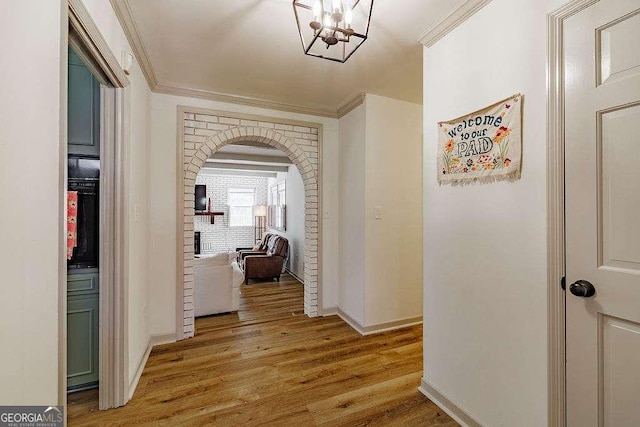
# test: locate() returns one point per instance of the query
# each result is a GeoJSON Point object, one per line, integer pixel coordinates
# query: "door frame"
{"type": "Point", "coordinates": [86, 39]}
{"type": "Point", "coordinates": [556, 251]}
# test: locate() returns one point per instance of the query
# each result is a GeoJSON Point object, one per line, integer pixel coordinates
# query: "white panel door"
{"type": "Point", "coordinates": [602, 118]}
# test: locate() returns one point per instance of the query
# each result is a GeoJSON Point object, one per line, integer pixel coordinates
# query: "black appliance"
{"type": "Point", "coordinates": [201, 197]}
{"type": "Point", "coordinates": [84, 177]}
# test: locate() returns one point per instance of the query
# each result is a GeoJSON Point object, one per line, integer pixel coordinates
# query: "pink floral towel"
{"type": "Point", "coordinates": [72, 217]}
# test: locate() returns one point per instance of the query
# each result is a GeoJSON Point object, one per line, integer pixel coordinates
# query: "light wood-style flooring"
{"type": "Point", "coordinates": [269, 364]}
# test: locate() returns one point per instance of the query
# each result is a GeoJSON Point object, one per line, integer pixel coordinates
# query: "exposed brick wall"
{"type": "Point", "coordinates": [206, 133]}
{"type": "Point", "coordinates": [219, 237]}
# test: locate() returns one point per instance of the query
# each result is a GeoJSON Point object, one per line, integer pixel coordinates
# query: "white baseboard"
{"type": "Point", "coordinates": [294, 275]}
{"type": "Point", "coordinates": [329, 311]}
{"type": "Point", "coordinates": [380, 327]}
{"type": "Point", "coordinates": [351, 322]}
{"type": "Point", "coordinates": [447, 406]}
{"type": "Point", "coordinates": [153, 341]}
{"type": "Point", "coordinates": [141, 364]}
{"type": "Point", "coordinates": [160, 339]}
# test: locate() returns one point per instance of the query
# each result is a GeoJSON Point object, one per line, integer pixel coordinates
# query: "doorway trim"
{"type": "Point", "coordinates": [556, 356]}
{"type": "Point", "coordinates": [86, 39]}
{"type": "Point", "coordinates": [300, 141]}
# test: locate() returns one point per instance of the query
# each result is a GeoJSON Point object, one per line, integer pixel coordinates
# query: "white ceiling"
{"type": "Point", "coordinates": [251, 48]}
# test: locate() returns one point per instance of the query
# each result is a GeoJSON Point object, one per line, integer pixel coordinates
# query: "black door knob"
{"type": "Point", "coordinates": [582, 288]}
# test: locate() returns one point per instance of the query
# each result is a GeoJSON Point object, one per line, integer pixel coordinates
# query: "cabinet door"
{"type": "Point", "coordinates": [84, 109]}
{"type": "Point", "coordinates": [82, 340]}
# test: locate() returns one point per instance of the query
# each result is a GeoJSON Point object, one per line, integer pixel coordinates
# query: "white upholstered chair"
{"type": "Point", "coordinates": [216, 287]}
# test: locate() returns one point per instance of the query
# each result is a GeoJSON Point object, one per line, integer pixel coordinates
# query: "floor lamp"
{"type": "Point", "coordinates": [260, 213]}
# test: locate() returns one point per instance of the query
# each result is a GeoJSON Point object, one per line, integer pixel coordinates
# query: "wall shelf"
{"type": "Point", "coordinates": [213, 215]}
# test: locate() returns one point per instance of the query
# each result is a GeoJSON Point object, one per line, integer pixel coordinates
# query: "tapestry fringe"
{"type": "Point", "coordinates": [482, 179]}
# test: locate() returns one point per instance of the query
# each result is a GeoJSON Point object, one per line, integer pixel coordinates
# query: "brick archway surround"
{"type": "Point", "coordinates": [206, 131]}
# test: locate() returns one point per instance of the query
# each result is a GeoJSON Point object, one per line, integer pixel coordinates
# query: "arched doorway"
{"type": "Point", "coordinates": [206, 131]}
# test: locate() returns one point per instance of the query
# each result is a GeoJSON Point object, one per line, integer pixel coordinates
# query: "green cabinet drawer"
{"type": "Point", "coordinates": [82, 340]}
{"type": "Point", "coordinates": [86, 282]}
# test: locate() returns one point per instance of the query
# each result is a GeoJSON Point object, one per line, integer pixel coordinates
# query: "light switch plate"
{"type": "Point", "coordinates": [326, 214]}
{"type": "Point", "coordinates": [136, 213]}
{"type": "Point", "coordinates": [127, 62]}
{"type": "Point", "coordinates": [378, 212]}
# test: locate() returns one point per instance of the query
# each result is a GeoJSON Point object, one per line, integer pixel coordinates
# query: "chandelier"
{"type": "Point", "coordinates": [332, 29]}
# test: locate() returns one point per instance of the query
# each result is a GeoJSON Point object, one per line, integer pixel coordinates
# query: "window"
{"type": "Point", "coordinates": [277, 208]}
{"type": "Point", "coordinates": [241, 203]}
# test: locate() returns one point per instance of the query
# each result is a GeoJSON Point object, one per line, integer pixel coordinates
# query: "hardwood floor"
{"type": "Point", "coordinates": [269, 364]}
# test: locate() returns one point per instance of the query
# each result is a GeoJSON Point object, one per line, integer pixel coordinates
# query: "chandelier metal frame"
{"type": "Point", "coordinates": [332, 34]}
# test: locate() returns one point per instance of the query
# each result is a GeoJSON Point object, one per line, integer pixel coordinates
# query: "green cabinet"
{"type": "Point", "coordinates": [83, 317]}
{"type": "Point", "coordinates": [84, 109]}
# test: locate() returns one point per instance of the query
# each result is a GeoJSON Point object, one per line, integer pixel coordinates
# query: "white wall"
{"type": "Point", "coordinates": [485, 301]}
{"type": "Point", "coordinates": [394, 183]}
{"type": "Point", "coordinates": [137, 169]}
{"type": "Point", "coordinates": [295, 219]}
{"type": "Point", "coordinates": [31, 73]}
{"type": "Point", "coordinates": [162, 190]}
{"type": "Point", "coordinates": [352, 213]}
{"type": "Point", "coordinates": [381, 166]}
{"type": "Point", "coordinates": [219, 237]}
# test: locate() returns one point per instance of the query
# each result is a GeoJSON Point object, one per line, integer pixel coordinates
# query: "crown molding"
{"type": "Point", "coordinates": [245, 116]}
{"type": "Point", "coordinates": [352, 104]}
{"type": "Point", "coordinates": [125, 16]}
{"type": "Point", "coordinates": [124, 13]}
{"type": "Point", "coordinates": [430, 36]}
{"type": "Point", "coordinates": [170, 89]}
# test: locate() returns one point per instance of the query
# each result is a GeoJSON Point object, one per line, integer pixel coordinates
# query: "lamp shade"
{"type": "Point", "coordinates": [260, 210]}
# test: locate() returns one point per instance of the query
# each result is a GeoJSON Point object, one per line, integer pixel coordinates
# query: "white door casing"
{"type": "Point", "coordinates": [602, 181]}
{"type": "Point", "coordinates": [89, 44]}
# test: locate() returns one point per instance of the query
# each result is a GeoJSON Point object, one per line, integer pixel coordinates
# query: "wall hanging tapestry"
{"type": "Point", "coordinates": [483, 146]}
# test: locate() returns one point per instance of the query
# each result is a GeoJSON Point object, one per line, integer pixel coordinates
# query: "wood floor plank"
{"type": "Point", "coordinates": [269, 364]}
{"type": "Point", "coordinates": [380, 402]}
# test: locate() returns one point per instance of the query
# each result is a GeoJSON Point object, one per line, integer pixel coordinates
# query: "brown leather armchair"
{"type": "Point", "coordinates": [259, 249]}
{"type": "Point", "coordinates": [266, 265]}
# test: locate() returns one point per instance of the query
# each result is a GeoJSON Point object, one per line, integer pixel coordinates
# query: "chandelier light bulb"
{"type": "Point", "coordinates": [348, 16]}
{"type": "Point", "coordinates": [327, 21]}
{"type": "Point", "coordinates": [337, 4]}
{"type": "Point", "coordinates": [317, 10]}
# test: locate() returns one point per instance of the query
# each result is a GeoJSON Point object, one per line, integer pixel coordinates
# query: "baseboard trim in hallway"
{"type": "Point", "coordinates": [141, 364]}
{"type": "Point", "coordinates": [447, 406]}
{"type": "Point", "coordinates": [329, 311]}
{"type": "Point", "coordinates": [160, 339]}
{"type": "Point", "coordinates": [295, 276]}
{"type": "Point", "coordinates": [151, 342]}
{"type": "Point", "coordinates": [380, 327]}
